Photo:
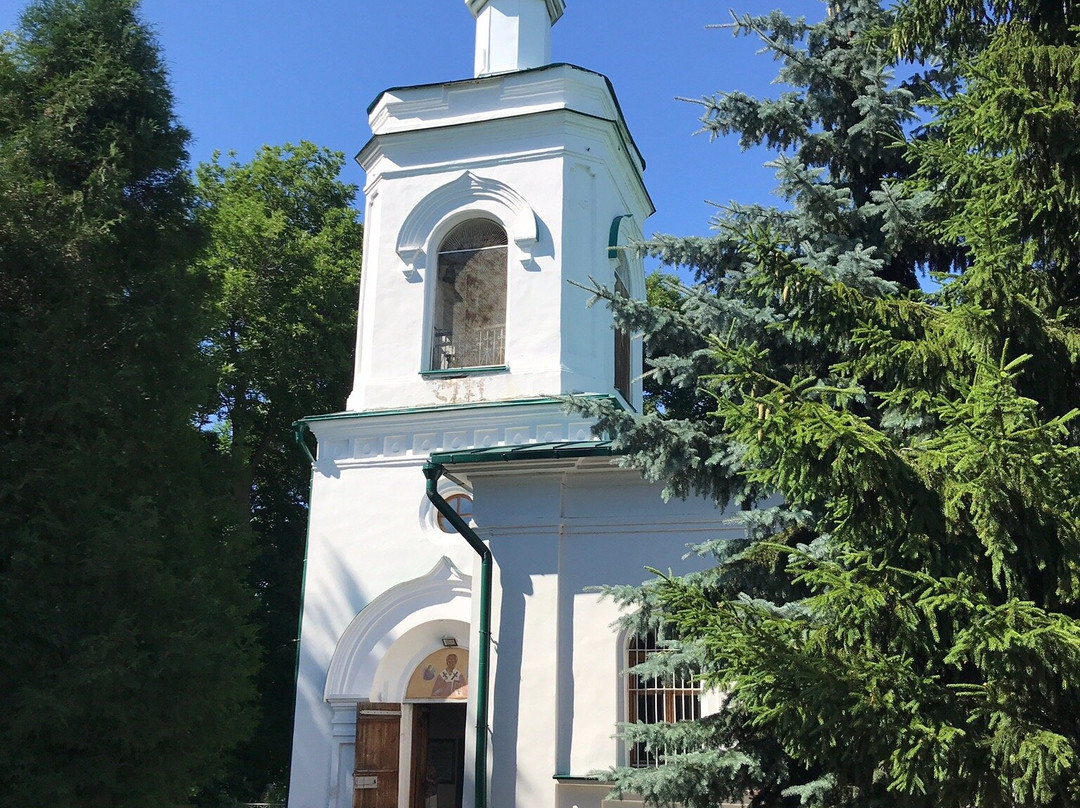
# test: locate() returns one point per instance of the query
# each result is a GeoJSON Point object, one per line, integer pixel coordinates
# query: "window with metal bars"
{"type": "Point", "coordinates": [469, 322]}
{"type": "Point", "coordinates": [656, 701]}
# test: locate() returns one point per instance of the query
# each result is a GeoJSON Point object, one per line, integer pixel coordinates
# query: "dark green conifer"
{"type": "Point", "coordinates": [124, 653]}
{"type": "Point", "coordinates": [840, 129]}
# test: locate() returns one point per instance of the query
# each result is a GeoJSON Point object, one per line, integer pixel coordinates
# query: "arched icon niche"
{"type": "Point", "coordinates": [441, 676]}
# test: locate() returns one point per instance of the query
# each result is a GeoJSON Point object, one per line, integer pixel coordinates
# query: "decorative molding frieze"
{"type": "Point", "coordinates": [343, 723]}
{"type": "Point", "coordinates": [436, 102]}
{"type": "Point", "coordinates": [536, 92]}
{"type": "Point", "coordinates": [510, 95]}
{"type": "Point", "coordinates": [342, 451]}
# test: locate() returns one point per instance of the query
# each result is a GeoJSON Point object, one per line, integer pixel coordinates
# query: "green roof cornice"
{"type": "Point", "coordinates": [562, 450]}
{"type": "Point", "coordinates": [440, 408]}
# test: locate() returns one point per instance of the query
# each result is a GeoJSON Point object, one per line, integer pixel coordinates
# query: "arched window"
{"type": "Point", "coordinates": [657, 700]}
{"type": "Point", "coordinates": [469, 323]}
{"type": "Point", "coordinates": [623, 350]}
{"type": "Point", "coordinates": [628, 275]}
{"type": "Point", "coordinates": [463, 507]}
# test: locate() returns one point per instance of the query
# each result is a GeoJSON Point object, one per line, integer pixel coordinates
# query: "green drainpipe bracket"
{"type": "Point", "coordinates": [300, 430]}
{"type": "Point", "coordinates": [433, 472]}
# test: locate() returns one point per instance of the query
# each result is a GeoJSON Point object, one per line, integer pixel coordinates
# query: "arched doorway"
{"type": "Point", "coordinates": [367, 685]}
{"type": "Point", "coordinates": [437, 692]}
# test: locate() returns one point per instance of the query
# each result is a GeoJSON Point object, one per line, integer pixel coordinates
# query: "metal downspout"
{"type": "Point", "coordinates": [433, 471]}
{"type": "Point", "coordinates": [299, 430]}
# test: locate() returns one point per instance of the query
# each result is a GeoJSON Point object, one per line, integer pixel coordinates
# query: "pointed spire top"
{"type": "Point", "coordinates": [513, 34]}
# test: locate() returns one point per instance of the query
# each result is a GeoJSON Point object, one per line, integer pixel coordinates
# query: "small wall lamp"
{"type": "Point", "coordinates": [449, 642]}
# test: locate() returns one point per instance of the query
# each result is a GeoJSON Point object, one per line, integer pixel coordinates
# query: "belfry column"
{"type": "Point", "coordinates": [513, 34]}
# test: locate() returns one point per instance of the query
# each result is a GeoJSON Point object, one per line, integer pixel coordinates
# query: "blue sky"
{"type": "Point", "coordinates": [247, 73]}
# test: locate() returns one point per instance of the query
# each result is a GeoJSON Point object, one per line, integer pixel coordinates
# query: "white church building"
{"type": "Point", "coordinates": [453, 650]}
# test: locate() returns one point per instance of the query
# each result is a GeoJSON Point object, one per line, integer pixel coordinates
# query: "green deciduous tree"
{"type": "Point", "coordinates": [283, 260]}
{"type": "Point", "coordinates": [899, 626]}
{"type": "Point", "coordinates": [125, 658]}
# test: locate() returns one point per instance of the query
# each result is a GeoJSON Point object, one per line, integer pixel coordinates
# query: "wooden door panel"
{"type": "Point", "coordinates": [378, 738]}
{"type": "Point", "coordinates": [421, 717]}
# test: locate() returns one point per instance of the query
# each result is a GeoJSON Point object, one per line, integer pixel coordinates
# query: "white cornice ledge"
{"type": "Point", "coordinates": [555, 8]}
{"type": "Point", "coordinates": [490, 98]}
{"type": "Point", "coordinates": [412, 439]}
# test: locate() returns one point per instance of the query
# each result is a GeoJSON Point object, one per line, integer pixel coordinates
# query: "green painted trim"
{"type": "Point", "coordinates": [613, 236]}
{"type": "Point", "coordinates": [470, 371]}
{"type": "Point", "coordinates": [583, 778]}
{"type": "Point", "coordinates": [300, 428]}
{"type": "Point", "coordinates": [303, 582]}
{"type": "Point", "coordinates": [476, 405]}
{"type": "Point", "coordinates": [566, 450]}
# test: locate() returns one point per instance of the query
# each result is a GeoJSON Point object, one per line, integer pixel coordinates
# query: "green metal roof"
{"type": "Point", "coordinates": [440, 408]}
{"type": "Point", "coordinates": [565, 450]}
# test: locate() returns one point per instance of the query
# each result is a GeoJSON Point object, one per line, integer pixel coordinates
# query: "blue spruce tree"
{"type": "Point", "coordinates": [898, 626]}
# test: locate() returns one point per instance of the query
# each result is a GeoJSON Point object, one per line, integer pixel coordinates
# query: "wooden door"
{"type": "Point", "coordinates": [420, 783]}
{"type": "Point", "coordinates": [378, 737]}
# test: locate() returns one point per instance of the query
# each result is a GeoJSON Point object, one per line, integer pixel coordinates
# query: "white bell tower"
{"type": "Point", "coordinates": [539, 158]}
{"type": "Point", "coordinates": [492, 204]}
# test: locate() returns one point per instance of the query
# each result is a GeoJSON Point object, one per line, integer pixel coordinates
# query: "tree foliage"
{"type": "Point", "coordinates": [840, 134]}
{"type": "Point", "coordinates": [125, 651]}
{"type": "Point", "coordinates": [283, 263]}
{"type": "Point", "coordinates": [899, 626]}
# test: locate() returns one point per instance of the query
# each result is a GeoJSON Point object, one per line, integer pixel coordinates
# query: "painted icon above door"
{"type": "Point", "coordinates": [442, 676]}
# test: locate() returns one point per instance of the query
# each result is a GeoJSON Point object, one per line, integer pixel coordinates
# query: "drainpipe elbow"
{"type": "Point", "coordinates": [432, 473]}
{"type": "Point", "coordinates": [300, 430]}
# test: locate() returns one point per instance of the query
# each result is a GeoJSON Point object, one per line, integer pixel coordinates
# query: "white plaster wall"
{"type": "Point", "coordinates": [365, 536]}
{"type": "Point", "coordinates": [555, 534]}
{"type": "Point", "coordinates": [372, 529]}
{"type": "Point", "coordinates": [592, 200]}
{"type": "Point", "coordinates": [556, 529]}
{"type": "Point", "coordinates": [512, 35]}
{"type": "Point", "coordinates": [555, 138]}
{"type": "Point", "coordinates": [396, 331]}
